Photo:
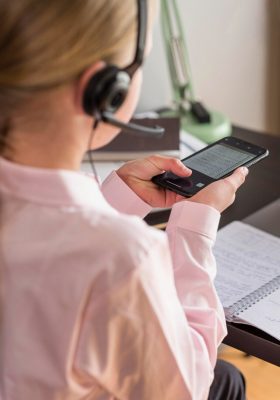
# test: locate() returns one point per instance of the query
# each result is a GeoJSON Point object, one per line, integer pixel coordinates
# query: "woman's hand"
{"type": "Point", "coordinates": [221, 194]}
{"type": "Point", "coordinates": [137, 175]}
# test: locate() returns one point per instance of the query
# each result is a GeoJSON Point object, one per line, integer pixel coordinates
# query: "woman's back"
{"type": "Point", "coordinates": [64, 270]}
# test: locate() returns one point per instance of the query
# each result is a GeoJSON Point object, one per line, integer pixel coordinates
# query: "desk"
{"type": "Point", "coordinates": [262, 187]}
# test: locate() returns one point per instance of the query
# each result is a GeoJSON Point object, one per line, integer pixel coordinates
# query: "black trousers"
{"type": "Point", "coordinates": [228, 383]}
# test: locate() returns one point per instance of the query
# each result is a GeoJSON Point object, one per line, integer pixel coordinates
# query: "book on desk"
{"type": "Point", "coordinates": [129, 147]}
{"type": "Point", "coordinates": [248, 264]}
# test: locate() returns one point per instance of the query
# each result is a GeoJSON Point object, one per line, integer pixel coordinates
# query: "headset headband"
{"type": "Point", "coordinates": [141, 38]}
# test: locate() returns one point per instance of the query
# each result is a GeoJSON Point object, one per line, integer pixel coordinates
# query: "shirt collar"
{"type": "Point", "coordinates": [49, 186]}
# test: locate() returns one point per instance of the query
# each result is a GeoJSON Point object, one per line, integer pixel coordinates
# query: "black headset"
{"type": "Point", "coordinates": [107, 89]}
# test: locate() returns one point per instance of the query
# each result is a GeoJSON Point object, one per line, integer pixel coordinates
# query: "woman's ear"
{"type": "Point", "coordinates": [82, 82]}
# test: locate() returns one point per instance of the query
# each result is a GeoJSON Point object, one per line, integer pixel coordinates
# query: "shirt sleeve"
{"type": "Point", "coordinates": [138, 342]}
{"type": "Point", "coordinates": [122, 198]}
{"type": "Point", "coordinates": [191, 231]}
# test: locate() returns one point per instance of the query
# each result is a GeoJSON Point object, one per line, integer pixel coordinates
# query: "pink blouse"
{"type": "Point", "coordinates": [95, 304]}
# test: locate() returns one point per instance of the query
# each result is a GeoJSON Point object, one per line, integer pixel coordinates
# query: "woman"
{"type": "Point", "coordinates": [95, 304]}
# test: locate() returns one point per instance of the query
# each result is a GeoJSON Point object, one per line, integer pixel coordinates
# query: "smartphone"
{"type": "Point", "coordinates": [212, 163]}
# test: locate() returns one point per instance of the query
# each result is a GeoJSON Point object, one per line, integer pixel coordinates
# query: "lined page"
{"type": "Point", "coordinates": [247, 258]}
{"type": "Point", "coordinates": [265, 314]}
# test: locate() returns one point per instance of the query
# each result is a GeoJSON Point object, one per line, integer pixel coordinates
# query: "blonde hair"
{"type": "Point", "coordinates": [46, 43]}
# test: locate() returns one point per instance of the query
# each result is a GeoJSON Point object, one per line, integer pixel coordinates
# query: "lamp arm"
{"type": "Point", "coordinates": [177, 54]}
{"type": "Point", "coordinates": [194, 117]}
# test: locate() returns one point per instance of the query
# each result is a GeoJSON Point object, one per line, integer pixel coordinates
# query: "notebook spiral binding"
{"type": "Point", "coordinates": [254, 297]}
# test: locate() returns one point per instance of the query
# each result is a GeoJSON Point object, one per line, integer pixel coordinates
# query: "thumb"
{"type": "Point", "coordinates": [237, 178]}
{"type": "Point", "coordinates": [174, 165]}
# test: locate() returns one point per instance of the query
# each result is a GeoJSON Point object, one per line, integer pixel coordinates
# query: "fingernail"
{"type": "Point", "coordinates": [245, 170]}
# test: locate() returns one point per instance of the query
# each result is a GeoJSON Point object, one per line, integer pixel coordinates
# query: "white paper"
{"type": "Point", "coordinates": [247, 258]}
{"type": "Point", "coordinates": [189, 144]}
{"type": "Point", "coordinates": [265, 314]}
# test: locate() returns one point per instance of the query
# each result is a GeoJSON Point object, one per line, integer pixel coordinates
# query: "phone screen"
{"type": "Point", "coordinates": [218, 160]}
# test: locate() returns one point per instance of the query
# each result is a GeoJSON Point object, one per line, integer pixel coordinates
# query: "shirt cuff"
{"type": "Point", "coordinates": [122, 198]}
{"type": "Point", "coordinates": [195, 217]}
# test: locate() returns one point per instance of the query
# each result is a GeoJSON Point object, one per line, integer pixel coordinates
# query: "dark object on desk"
{"type": "Point", "coordinates": [267, 218]}
{"type": "Point", "coordinates": [125, 147]}
{"type": "Point", "coordinates": [200, 113]}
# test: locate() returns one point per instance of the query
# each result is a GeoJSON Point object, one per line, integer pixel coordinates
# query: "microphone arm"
{"type": "Point", "coordinates": [132, 128]}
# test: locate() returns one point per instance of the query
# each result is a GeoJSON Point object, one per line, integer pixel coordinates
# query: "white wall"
{"type": "Point", "coordinates": [228, 48]}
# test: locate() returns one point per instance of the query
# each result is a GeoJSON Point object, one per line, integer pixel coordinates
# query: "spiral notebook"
{"type": "Point", "coordinates": [248, 277]}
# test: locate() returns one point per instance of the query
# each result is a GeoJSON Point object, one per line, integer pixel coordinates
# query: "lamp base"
{"type": "Point", "coordinates": [208, 132]}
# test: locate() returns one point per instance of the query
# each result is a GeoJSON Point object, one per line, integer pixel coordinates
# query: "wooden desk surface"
{"type": "Point", "coordinates": [261, 188]}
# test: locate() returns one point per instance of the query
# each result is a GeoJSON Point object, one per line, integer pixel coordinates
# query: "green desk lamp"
{"type": "Point", "coordinates": [206, 125]}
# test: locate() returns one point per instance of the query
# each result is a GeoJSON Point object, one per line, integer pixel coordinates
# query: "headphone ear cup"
{"type": "Point", "coordinates": [106, 91]}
